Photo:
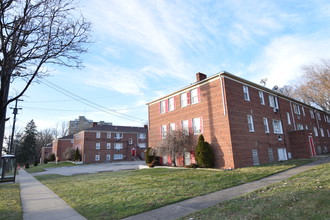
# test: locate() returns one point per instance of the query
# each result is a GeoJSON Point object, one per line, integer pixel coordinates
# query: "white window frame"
{"type": "Point", "coordinates": [288, 118]}
{"type": "Point", "coordinates": [142, 136]}
{"type": "Point", "coordinates": [316, 133]}
{"type": "Point", "coordinates": [97, 157]}
{"type": "Point", "coordinates": [322, 132]}
{"type": "Point", "coordinates": [246, 93]}
{"type": "Point", "coordinates": [250, 123]}
{"type": "Point", "coordinates": [162, 107]}
{"type": "Point", "coordinates": [261, 97]}
{"type": "Point", "coordinates": [194, 96]}
{"type": "Point", "coordinates": [163, 131]}
{"type": "Point", "coordinates": [273, 101]}
{"type": "Point", "coordinates": [108, 157]}
{"type": "Point", "coordinates": [318, 116]}
{"type": "Point", "coordinates": [108, 146]}
{"type": "Point", "coordinates": [118, 156]}
{"type": "Point", "coordinates": [97, 146]}
{"type": "Point", "coordinates": [296, 109]}
{"type": "Point", "coordinates": [118, 146]}
{"type": "Point", "coordinates": [266, 127]}
{"type": "Point", "coordinates": [311, 113]}
{"type": "Point", "coordinates": [183, 100]}
{"type": "Point", "coordinates": [185, 126]}
{"type": "Point", "coordinates": [328, 132]}
{"type": "Point", "coordinates": [118, 135]}
{"type": "Point", "coordinates": [303, 110]}
{"type": "Point", "coordinates": [98, 134]}
{"type": "Point", "coordinates": [172, 126]}
{"type": "Point", "coordinates": [300, 127]}
{"type": "Point", "coordinates": [197, 125]}
{"type": "Point", "coordinates": [130, 141]}
{"type": "Point", "coordinates": [171, 104]}
{"type": "Point", "coordinates": [108, 134]}
{"type": "Point", "coordinates": [142, 145]}
{"type": "Point", "coordinates": [277, 126]}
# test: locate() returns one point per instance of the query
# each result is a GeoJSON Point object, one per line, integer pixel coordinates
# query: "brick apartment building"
{"type": "Point", "coordinates": [60, 145]}
{"type": "Point", "coordinates": [246, 124]}
{"type": "Point", "coordinates": [110, 143]}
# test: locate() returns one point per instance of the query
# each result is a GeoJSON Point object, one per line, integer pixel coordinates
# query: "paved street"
{"type": "Point", "coordinates": [92, 168]}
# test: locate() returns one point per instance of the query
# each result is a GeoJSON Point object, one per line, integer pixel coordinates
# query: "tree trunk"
{"type": "Point", "coordinates": [5, 84]}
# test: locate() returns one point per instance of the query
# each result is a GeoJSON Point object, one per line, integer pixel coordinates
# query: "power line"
{"type": "Point", "coordinates": [90, 103]}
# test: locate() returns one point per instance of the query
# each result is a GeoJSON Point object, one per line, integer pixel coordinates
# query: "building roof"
{"type": "Point", "coordinates": [239, 79]}
{"type": "Point", "coordinates": [70, 136]}
{"type": "Point", "coordinates": [114, 128]}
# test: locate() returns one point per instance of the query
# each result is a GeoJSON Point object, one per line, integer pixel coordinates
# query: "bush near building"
{"type": "Point", "coordinates": [204, 153]}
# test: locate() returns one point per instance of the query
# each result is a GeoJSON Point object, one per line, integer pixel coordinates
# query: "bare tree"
{"type": "Point", "coordinates": [314, 88]}
{"type": "Point", "coordinates": [34, 33]}
{"type": "Point", "coordinates": [44, 137]}
{"type": "Point", "coordinates": [176, 143]}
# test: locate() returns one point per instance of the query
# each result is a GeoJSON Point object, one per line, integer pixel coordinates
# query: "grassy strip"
{"type": "Point", "coordinates": [41, 167]}
{"type": "Point", "coordinates": [305, 196]}
{"type": "Point", "coordinates": [10, 202]}
{"type": "Point", "coordinates": [120, 194]}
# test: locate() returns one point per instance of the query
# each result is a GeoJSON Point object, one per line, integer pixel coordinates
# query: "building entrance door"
{"type": "Point", "coordinates": [255, 157]}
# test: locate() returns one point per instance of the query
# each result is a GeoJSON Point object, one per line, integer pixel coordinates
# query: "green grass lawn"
{"type": "Point", "coordinates": [305, 196]}
{"type": "Point", "coordinates": [10, 202]}
{"type": "Point", "coordinates": [41, 167]}
{"type": "Point", "coordinates": [117, 195]}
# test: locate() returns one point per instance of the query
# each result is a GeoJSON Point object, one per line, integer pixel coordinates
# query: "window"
{"type": "Point", "coordinates": [300, 127]}
{"type": "Point", "coordinates": [171, 104]}
{"type": "Point", "coordinates": [117, 156]}
{"type": "Point", "coordinates": [273, 102]}
{"type": "Point", "coordinates": [142, 135]}
{"type": "Point", "coordinates": [162, 107]}
{"type": "Point", "coordinates": [108, 157]}
{"type": "Point", "coordinates": [288, 118]}
{"type": "Point", "coordinates": [306, 127]}
{"type": "Point", "coordinates": [118, 135]}
{"type": "Point", "coordinates": [261, 96]}
{"type": "Point", "coordinates": [172, 127]}
{"type": "Point", "coordinates": [250, 123]}
{"type": "Point", "coordinates": [312, 113]}
{"type": "Point", "coordinates": [130, 141]}
{"type": "Point", "coordinates": [316, 133]}
{"type": "Point", "coordinates": [97, 157]}
{"type": "Point", "coordinates": [322, 132]}
{"type": "Point", "coordinates": [98, 134]}
{"type": "Point", "coordinates": [246, 93]}
{"type": "Point", "coordinates": [142, 145]}
{"type": "Point", "coordinates": [185, 126]}
{"type": "Point", "coordinates": [98, 145]}
{"type": "Point", "coordinates": [197, 125]}
{"type": "Point", "coordinates": [108, 146]}
{"type": "Point", "coordinates": [108, 134]}
{"type": "Point", "coordinates": [266, 127]}
{"type": "Point", "coordinates": [328, 132]}
{"type": "Point", "coordinates": [194, 96]}
{"type": "Point", "coordinates": [296, 109]}
{"type": "Point", "coordinates": [303, 110]}
{"type": "Point", "coordinates": [163, 131]}
{"type": "Point", "coordinates": [184, 100]}
{"type": "Point", "coordinates": [277, 126]}
{"type": "Point", "coordinates": [118, 146]}
{"type": "Point", "coordinates": [318, 116]}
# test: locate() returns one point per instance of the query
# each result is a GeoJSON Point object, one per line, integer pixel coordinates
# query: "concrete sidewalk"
{"type": "Point", "coordinates": [189, 206]}
{"type": "Point", "coordinates": [39, 202]}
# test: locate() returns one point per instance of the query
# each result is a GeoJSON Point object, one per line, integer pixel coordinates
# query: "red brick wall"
{"type": "Point", "coordinates": [215, 123]}
{"type": "Point", "coordinates": [59, 147]}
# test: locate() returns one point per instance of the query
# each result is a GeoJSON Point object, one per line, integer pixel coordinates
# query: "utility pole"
{"type": "Point", "coordinates": [15, 112]}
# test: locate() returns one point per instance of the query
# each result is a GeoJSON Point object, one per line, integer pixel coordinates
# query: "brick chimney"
{"type": "Point", "coordinates": [200, 76]}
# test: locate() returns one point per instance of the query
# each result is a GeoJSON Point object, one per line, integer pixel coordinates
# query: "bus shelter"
{"type": "Point", "coordinates": [8, 167]}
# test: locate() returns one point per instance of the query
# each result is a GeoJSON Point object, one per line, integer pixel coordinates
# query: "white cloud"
{"type": "Point", "coordinates": [282, 59]}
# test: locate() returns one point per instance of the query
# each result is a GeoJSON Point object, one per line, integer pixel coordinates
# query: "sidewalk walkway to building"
{"type": "Point", "coordinates": [189, 206]}
{"type": "Point", "coordinates": [39, 202]}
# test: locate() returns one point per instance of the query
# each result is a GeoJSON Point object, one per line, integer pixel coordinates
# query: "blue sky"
{"type": "Point", "coordinates": [145, 49]}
